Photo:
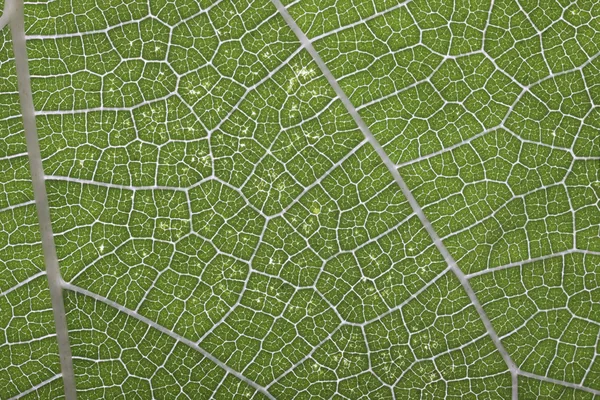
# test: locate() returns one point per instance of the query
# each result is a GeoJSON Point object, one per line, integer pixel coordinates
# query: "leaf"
{"type": "Point", "coordinates": [328, 199]}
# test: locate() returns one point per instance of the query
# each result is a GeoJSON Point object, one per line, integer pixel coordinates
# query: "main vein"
{"type": "Point", "coordinates": [14, 14]}
{"type": "Point", "coordinates": [307, 44]}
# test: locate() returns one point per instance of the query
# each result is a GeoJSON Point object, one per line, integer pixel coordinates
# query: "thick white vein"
{"type": "Point", "coordinates": [405, 190]}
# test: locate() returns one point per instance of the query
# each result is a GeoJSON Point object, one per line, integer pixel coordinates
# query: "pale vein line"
{"type": "Point", "coordinates": [449, 148]}
{"type": "Point", "coordinates": [162, 329]}
{"type": "Point", "coordinates": [11, 156]}
{"type": "Point", "coordinates": [559, 382]}
{"type": "Point", "coordinates": [14, 10]}
{"type": "Point", "coordinates": [519, 263]}
{"type": "Point", "coordinates": [23, 283]}
{"type": "Point", "coordinates": [36, 387]}
{"type": "Point", "coordinates": [375, 15]}
{"type": "Point", "coordinates": [15, 206]}
{"type": "Point", "coordinates": [112, 185]}
{"type": "Point", "coordinates": [405, 190]}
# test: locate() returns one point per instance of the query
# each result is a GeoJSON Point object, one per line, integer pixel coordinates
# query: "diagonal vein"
{"type": "Point", "coordinates": [559, 382]}
{"type": "Point", "coordinates": [307, 44]}
{"type": "Point", "coordinates": [36, 387]}
{"type": "Point", "coordinates": [166, 331]}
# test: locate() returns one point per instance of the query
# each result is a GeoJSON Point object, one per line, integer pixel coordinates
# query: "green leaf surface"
{"type": "Point", "coordinates": [337, 199]}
